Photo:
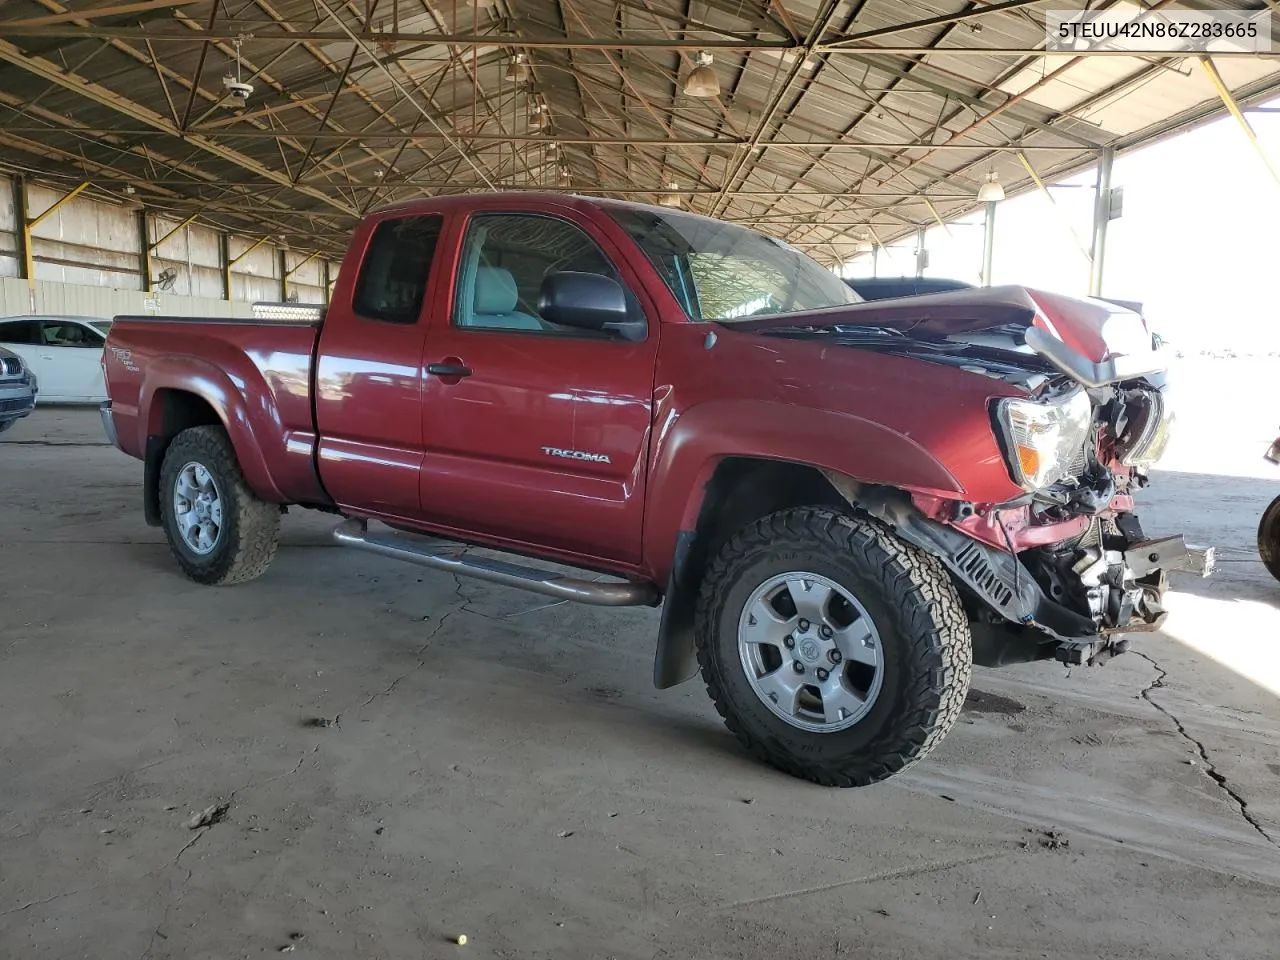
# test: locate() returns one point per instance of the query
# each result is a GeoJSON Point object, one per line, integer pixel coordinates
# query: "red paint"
{"type": "Point", "coordinates": [464, 456]}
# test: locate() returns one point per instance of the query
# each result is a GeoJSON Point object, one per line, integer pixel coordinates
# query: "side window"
{"type": "Point", "coordinates": [397, 264]}
{"type": "Point", "coordinates": [505, 258]}
{"type": "Point", "coordinates": [70, 335]}
{"type": "Point", "coordinates": [20, 331]}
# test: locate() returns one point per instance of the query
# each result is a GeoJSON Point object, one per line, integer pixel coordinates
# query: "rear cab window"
{"type": "Point", "coordinates": [397, 265]}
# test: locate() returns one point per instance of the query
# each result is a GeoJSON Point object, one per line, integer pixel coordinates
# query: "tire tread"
{"type": "Point", "coordinates": [931, 619]}
{"type": "Point", "coordinates": [256, 525]}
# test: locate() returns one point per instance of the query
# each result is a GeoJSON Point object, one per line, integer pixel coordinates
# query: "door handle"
{"type": "Point", "coordinates": [450, 367]}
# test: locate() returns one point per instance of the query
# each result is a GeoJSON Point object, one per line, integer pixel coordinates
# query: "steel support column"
{"type": "Point", "coordinates": [922, 255]}
{"type": "Point", "coordinates": [25, 264]}
{"type": "Point", "coordinates": [224, 244]}
{"type": "Point", "coordinates": [1101, 217]}
{"type": "Point", "coordinates": [988, 242]}
{"type": "Point", "coordinates": [282, 257]}
{"type": "Point", "coordinates": [28, 223]}
{"type": "Point", "coordinates": [328, 284]}
{"type": "Point", "coordinates": [144, 250]}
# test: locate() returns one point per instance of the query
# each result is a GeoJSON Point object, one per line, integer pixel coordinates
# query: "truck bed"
{"type": "Point", "coordinates": [259, 371]}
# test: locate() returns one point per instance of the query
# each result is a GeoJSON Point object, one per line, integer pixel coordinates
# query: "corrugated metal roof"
{"type": "Point", "coordinates": [835, 116]}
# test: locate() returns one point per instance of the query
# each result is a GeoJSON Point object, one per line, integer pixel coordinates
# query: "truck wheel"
{"type": "Point", "coordinates": [1269, 538]}
{"type": "Point", "coordinates": [218, 529]}
{"type": "Point", "coordinates": [833, 650]}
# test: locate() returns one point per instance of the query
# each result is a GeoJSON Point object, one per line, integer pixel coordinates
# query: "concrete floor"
{"type": "Point", "coordinates": [500, 768]}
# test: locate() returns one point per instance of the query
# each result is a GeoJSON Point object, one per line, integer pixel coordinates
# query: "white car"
{"type": "Point", "coordinates": [65, 353]}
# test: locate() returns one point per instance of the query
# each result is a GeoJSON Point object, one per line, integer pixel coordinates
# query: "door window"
{"type": "Point", "coordinates": [57, 334]}
{"type": "Point", "coordinates": [20, 331]}
{"type": "Point", "coordinates": [393, 277]}
{"type": "Point", "coordinates": [506, 257]}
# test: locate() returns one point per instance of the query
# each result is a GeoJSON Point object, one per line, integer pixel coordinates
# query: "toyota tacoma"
{"type": "Point", "coordinates": [840, 505]}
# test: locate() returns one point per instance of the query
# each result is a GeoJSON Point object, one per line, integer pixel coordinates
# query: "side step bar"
{"type": "Point", "coordinates": [452, 558]}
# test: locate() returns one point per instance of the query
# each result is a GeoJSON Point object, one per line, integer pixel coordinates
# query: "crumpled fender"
{"type": "Point", "coordinates": [688, 450]}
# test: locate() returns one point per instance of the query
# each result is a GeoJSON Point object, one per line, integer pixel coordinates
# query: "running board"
{"type": "Point", "coordinates": [453, 559]}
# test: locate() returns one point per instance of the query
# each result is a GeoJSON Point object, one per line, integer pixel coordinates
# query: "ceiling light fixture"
{"type": "Point", "coordinates": [672, 197]}
{"type": "Point", "coordinates": [702, 80]}
{"type": "Point", "coordinates": [991, 191]}
{"type": "Point", "coordinates": [518, 69]}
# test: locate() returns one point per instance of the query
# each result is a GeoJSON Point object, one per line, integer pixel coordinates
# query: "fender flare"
{"type": "Point", "coordinates": [689, 453]}
{"type": "Point", "coordinates": [214, 386]}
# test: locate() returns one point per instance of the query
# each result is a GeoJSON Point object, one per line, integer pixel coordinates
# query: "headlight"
{"type": "Point", "coordinates": [1044, 440]}
{"type": "Point", "coordinates": [1148, 431]}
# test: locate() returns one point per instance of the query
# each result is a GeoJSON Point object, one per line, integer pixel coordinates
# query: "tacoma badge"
{"type": "Point", "coordinates": [576, 455]}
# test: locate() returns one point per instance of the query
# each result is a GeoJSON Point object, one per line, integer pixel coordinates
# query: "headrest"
{"type": "Point", "coordinates": [495, 291]}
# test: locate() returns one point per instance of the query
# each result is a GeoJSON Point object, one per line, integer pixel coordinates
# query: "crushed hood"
{"type": "Point", "coordinates": [1095, 329]}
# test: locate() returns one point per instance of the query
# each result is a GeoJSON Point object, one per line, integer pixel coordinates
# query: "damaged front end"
{"type": "Point", "coordinates": [1065, 570]}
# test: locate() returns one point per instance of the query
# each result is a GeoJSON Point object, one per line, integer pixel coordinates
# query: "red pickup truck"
{"type": "Point", "coordinates": [840, 505]}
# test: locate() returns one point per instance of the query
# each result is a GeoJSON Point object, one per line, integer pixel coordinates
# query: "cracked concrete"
{"type": "Point", "coordinates": [503, 767]}
{"type": "Point", "coordinates": [1207, 764]}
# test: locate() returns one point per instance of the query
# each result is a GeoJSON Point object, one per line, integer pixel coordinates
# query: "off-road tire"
{"type": "Point", "coordinates": [251, 526]}
{"type": "Point", "coordinates": [1269, 538]}
{"type": "Point", "coordinates": [924, 634]}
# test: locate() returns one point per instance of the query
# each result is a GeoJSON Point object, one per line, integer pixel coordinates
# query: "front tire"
{"type": "Point", "coordinates": [834, 651]}
{"type": "Point", "coordinates": [1269, 538]}
{"type": "Point", "coordinates": [219, 531]}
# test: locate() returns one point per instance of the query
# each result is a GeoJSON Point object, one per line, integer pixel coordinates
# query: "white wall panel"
{"type": "Point", "coordinates": [306, 293]}
{"type": "Point", "coordinates": [89, 301]}
{"type": "Point", "coordinates": [88, 262]}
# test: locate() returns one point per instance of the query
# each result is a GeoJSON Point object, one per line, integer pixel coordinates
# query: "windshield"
{"type": "Point", "coordinates": [719, 271]}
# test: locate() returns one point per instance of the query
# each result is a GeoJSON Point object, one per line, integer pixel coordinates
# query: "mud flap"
{"type": "Point", "coordinates": [153, 458]}
{"type": "Point", "coordinates": [675, 660]}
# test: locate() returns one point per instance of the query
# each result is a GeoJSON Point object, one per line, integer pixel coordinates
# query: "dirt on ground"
{"type": "Point", "coordinates": [354, 758]}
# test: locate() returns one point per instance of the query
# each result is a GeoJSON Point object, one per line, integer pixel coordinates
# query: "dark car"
{"type": "Point", "coordinates": [17, 389]}
{"type": "Point", "coordinates": [890, 288]}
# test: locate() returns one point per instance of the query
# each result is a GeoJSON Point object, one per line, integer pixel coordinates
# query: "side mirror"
{"type": "Point", "coordinates": [588, 301]}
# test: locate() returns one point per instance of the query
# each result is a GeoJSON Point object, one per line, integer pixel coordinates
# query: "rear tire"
{"type": "Point", "coordinates": [219, 531]}
{"type": "Point", "coordinates": [1269, 538]}
{"type": "Point", "coordinates": [875, 605]}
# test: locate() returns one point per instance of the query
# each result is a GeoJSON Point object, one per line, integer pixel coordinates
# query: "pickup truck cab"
{"type": "Point", "coordinates": [839, 504]}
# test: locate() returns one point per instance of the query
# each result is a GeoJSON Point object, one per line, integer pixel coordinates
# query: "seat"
{"type": "Point", "coordinates": [494, 304]}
